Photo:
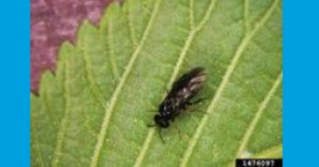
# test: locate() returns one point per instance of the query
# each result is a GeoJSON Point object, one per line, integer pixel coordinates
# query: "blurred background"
{"type": "Point", "coordinates": [52, 22]}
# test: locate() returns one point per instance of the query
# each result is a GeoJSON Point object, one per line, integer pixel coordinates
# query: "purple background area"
{"type": "Point", "coordinates": [52, 22]}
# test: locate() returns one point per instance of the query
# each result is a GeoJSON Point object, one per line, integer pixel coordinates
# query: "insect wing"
{"type": "Point", "coordinates": [188, 84]}
{"type": "Point", "coordinates": [195, 84]}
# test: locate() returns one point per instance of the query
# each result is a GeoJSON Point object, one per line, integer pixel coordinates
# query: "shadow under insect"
{"type": "Point", "coordinates": [179, 98]}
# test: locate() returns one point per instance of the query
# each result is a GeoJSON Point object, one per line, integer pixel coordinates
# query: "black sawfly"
{"type": "Point", "coordinates": [179, 98]}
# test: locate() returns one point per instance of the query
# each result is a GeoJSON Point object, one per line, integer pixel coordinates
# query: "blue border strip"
{"type": "Point", "coordinates": [301, 83]}
{"type": "Point", "coordinates": [15, 83]}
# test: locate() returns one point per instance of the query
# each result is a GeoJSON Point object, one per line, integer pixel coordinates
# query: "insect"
{"type": "Point", "coordinates": [180, 96]}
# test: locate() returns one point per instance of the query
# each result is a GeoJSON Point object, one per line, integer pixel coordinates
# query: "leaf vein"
{"type": "Point", "coordinates": [111, 50]}
{"type": "Point", "coordinates": [93, 86]}
{"type": "Point", "coordinates": [118, 89]}
{"type": "Point", "coordinates": [65, 119]}
{"type": "Point", "coordinates": [177, 68]}
{"type": "Point", "coordinates": [229, 71]}
{"type": "Point", "coordinates": [258, 114]}
{"type": "Point", "coordinates": [272, 152]}
{"type": "Point", "coordinates": [131, 29]}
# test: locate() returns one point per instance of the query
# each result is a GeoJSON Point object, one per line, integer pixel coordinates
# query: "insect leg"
{"type": "Point", "coordinates": [184, 106]}
{"type": "Point", "coordinates": [175, 114]}
{"type": "Point", "coordinates": [195, 102]}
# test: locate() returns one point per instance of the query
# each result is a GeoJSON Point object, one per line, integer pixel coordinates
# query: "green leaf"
{"type": "Point", "coordinates": [93, 111]}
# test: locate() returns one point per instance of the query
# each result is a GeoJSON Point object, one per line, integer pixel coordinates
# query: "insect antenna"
{"type": "Point", "coordinates": [150, 125]}
{"type": "Point", "coordinates": [151, 111]}
{"type": "Point", "coordinates": [178, 131]}
{"type": "Point", "coordinates": [160, 134]}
